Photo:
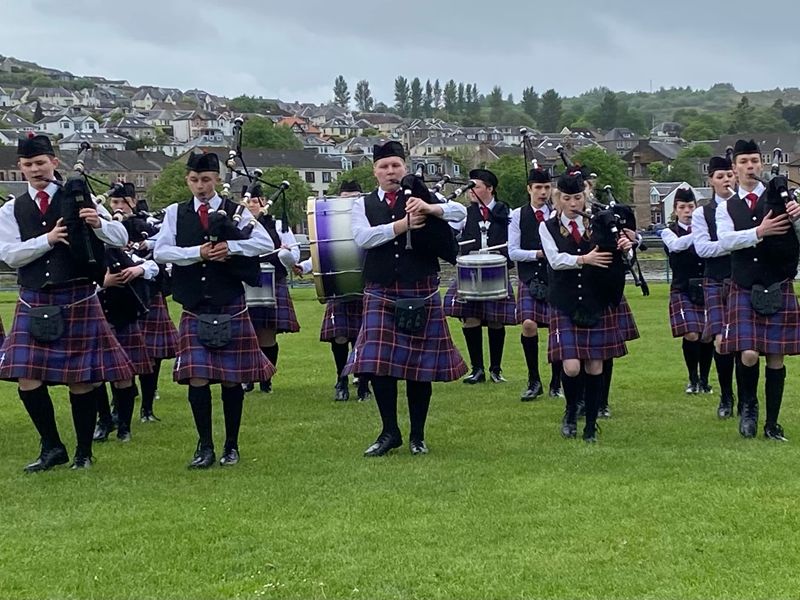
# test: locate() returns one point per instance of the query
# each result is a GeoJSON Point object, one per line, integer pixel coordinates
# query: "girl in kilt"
{"type": "Point", "coordinates": [216, 340]}
{"type": "Point", "coordinates": [687, 316]}
{"type": "Point", "coordinates": [583, 282]}
{"type": "Point", "coordinates": [717, 275]}
{"type": "Point", "coordinates": [403, 283]}
{"type": "Point", "coordinates": [760, 229]}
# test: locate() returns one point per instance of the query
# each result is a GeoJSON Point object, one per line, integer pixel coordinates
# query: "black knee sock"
{"type": "Point", "coordinates": [608, 373]}
{"type": "Point", "coordinates": [747, 383]}
{"type": "Point", "coordinates": [593, 390]}
{"type": "Point", "coordinates": [124, 398]}
{"type": "Point", "coordinates": [474, 338]}
{"type": "Point", "coordinates": [340, 353]}
{"type": "Point", "coordinates": [40, 409]}
{"type": "Point", "coordinates": [573, 393]}
{"type": "Point", "coordinates": [271, 352]}
{"type": "Point", "coordinates": [690, 357]}
{"type": "Point", "coordinates": [385, 389]}
{"type": "Point", "coordinates": [149, 383]}
{"type": "Point", "coordinates": [705, 351]}
{"type": "Point", "coordinates": [556, 368]}
{"type": "Point", "coordinates": [232, 402]}
{"type": "Point", "coordinates": [774, 380]}
{"type": "Point", "coordinates": [724, 365]}
{"type": "Point", "coordinates": [419, 401]}
{"type": "Point", "coordinates": [83, 418]}
{"type": "Point", "coordinates": [102, 404]}
{"type": "Point", "coordinates": [530, 348]}
{"type": "Point", "coordinates": [200, 401]}
{"type": "Point", "coordinates": [497, 340]}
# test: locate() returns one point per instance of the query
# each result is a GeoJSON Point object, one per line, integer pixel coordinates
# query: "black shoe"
{"type": "Point", "coordinates": [102, 430]}
{"type": "Point", "coordinates": [533, 391]}
{"type": "Point", "coordinates": [774, 432]}
{"type": "Point", "coordinates": [124, 434]}
{"type": "Point", "coordinates": [604, 413]}
{"type": "Point", "coordinates": [725, 408]}
{"type": "Point", "coordinates": [204, 457]}
{"type": "Point", "coordinates": [81, 462]}
{"type": "Point", "coordinates": [230, 457]}
{"type": "Point", "coordinates": [704, 388]}
{"type": "Point", "coordinates": [692, 387]}
{"type": "Point", "coordinates": [342, 392]}
{"type": "Point", "coordinates": [580, 412]}
{"type": "Point", "coordinates": [265, 386]}
{"type": "Point", "coordinates": [48, 459]}
{"type": "Point", "coordinates": [748, 421]}
{"type": "Point", "coordinates": [384, 444]}
{"type": "Point", "coordinates": [248, 387]}
{"type": "Point", "coordinates": [363, 394]}
{"type": "Point", "coordinates": [555, 392]}
{"type": "Point", "coordinates": [569, 426]}
{"type": "Point", "coordinates": [477, 376]}
{"type": "Point", "coordinates": [496, 375]}
{"type": "Point", "coordinates": [147, 416]}
{"type": "Point", "coordinates": [590, 435]}
{"type": "Point", "coordinates": [418, 447]}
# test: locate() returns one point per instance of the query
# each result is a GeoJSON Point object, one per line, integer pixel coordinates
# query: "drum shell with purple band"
{"type": "Point", "coordinates": [281, 317]}
{"type": "Point", "coordinates": [336, 260]}
{"type": "Point", "coordinates": [685, 317]}
{"type": "Point", "coordinates": [498, 311]}
{"type": "Point", "coordinates": [342, 319]}
{"type": "Point", "coordinates": [530, 308]}
{"type": "Point", "coordinates": [565, 341]}
{"type": "Point", "coordinates": [132, 341]}
{"type": "Point", "coordinates": [716, 295]}
{"type": "Point", "coordinates": [264, 294]}
{"type": "Point", "coordinates": [482, 277]}
{"type": "Point", "coordinates": [160, 334]}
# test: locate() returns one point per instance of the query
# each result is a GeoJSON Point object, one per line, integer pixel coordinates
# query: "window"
{"type": "Point", "coordinates": [310, 177]}
{"type": "Point", "coordinates": [140, 182]}
{"type": "Point", "coordinates": [64, 124]}
{"type": "Point", "coordinates": [432, 169]}
{"type": "Point", "coordinates": [326, 177]}
{"type": "Point", "coordinates": [456, 170]}
{"type": "Point", "coordinates": [430, 150]}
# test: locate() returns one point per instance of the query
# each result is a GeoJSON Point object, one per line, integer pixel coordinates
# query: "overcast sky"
{"type": "Point", "coordinates": [295, 50]}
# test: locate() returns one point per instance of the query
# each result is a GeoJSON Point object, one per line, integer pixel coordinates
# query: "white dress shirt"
{"type": "Point", "coordinates": [166, 251]}
{"type": "Point", "coordinates": [675, 243]}
{"type": "Point", "coordinates": [515, 252]}
{"type": "Point", "coordinates": [288, 240]}
{"type": "Point", "coordinates": [305, 266]}
{"type": "Point", "coordinates": [366, 236]}
{"type": "Point", "coordinates": [703, 245]}
{"type": "Point", "coordinates": [560, 260]}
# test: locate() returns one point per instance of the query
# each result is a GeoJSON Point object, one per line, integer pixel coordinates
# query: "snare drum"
{"type": "Point", "coordinates": [482, 277]}
{"type": "Point", "coordinates": [336, 260]}
{"type": "Point", "coordinates": [264, 294]}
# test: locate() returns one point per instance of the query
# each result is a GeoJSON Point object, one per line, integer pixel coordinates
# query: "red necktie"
{"type": "Point", "coordinates": [576, 235]}
{"type": "Point", "coordinates": [689, 229]}
{"type": "Point", "coordinates": [391, 198]}
{"type": "Point", "coordinates": [203, 214]}
{"type": "Point", "coordinates": [539, 216]}
{"type": "Point", "coordinates": [484, 212]}
{"type": "Point", "coordinates": [43, 199]}
{"type": "Point", "coordinates": [751, 200]}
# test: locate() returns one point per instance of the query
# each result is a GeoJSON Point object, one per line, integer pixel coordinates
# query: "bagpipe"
{"type": "Point", "coordinates": [127, 303]}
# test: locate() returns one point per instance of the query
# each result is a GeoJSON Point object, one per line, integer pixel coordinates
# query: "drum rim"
{"type": "Point", "coordinates": [479, 260]}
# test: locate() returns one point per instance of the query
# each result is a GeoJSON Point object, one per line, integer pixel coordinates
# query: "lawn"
{"type": "Point", "coordinates": [671, 503]}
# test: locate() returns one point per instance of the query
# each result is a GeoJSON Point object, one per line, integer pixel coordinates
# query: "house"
{"type": "Point", "coordinates": [204, 100]}
{"type": "Point", "coordinates": [386, 123]}
{"type": "Point", "coordinates": [69, 121]}
{"type": "Point", "coordinates": [54, 95]}
{"type": "Point", "coordinates": [314, 142]}
{"type": "Point", "coordinates": [147, 96]}
{"type": "Point", "coordinates": [340, 127]}
{"type": "Point", "coordinates": [19, 96]}
{"type": "Point", "coordinates": [131, 127]}
{"type": "Point", "coordinates": [619, 140]}
{"type": "Point", "coordinates": [110, 141]}
{"type": "Point", "coordinates": [190, 125]}
{"type": "Point", "coordinates": [649, 151]}
{"type": "Point", "coordinates": [440, 145]}
{"type": "Point", "coordinates": [5, 98]}
{"type": "Point", "coordinates": [667, 129]}
{"type": "Point", "coordinates": [11, 120]}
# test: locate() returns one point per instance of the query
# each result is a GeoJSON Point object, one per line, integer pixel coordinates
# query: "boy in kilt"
{"type": "Point", "coordinates": [760, 229]}
{"type": "Point", "coordinates": [216, 340]}
{"type": "Point", "coordinates": [270, 321]}
{"type": "Point", "coordinates": [717, 275]}
{"type": "Point", "coordinates": [525, 247]}
{"type": "Point", "coordinates": [404, 283]}
{"type": "Point", "coordinates": [59, 335]}
{"type": "Point", "coordinates": [585, 284]}
{"type": "Point", "coordinates": [687, 315]}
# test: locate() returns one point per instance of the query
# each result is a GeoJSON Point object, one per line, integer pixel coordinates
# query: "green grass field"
{"type": "Point", "coordinates": [671, 503]}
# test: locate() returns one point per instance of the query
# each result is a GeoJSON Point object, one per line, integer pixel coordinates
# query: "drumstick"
{"type": "Point", "coordinates": [486, 250]}
{"type": "Point", "coordinates": [465, 242]}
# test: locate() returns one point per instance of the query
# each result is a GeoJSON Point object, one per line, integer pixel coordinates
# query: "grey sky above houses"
{"type": "Point", "coordinates": [294, 51]}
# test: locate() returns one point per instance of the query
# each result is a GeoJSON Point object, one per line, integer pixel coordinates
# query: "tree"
{"type": "Point", "coordinates": [296, 196]}
{"type": "Point", "coordinates": [512, 177]}
{"type": "Point", "coordinates": [462, 102]}
{"type": "Point", "coordinates": [416, 98]}
{"type": "Point", "coordinates": [550, 111]}
{"type": "Point", "coordinates": [473, 108]}
{"type": "Point", "coordinates": [38, 113]}
{"type": "Point", "coordinates": [769, 120]}
{"type": "Point", "coordinates": [450, 98]}
{"type": "Point", "coordinates": [161, 137]}
{"type": "Point", "coordinates": [607, 112]}
{"type": "Point", "coordinates": [427, 102]}
{"type": "Point", "coordinates": [401, 96]}
{"type": "Point", "coordinates": [341, 96]}
{"type": "Point", "coordinates": [530, 103]}
{"type": "Point", "coordinates": [362, 174]}
{"type": "Point", "coordinates": [437, 95]}
{"type": "Point", "coordinates": [610, 168]}
{"type": "Point", "coordinates": [741, 118]}
{"type": "Point", "coordinates": [170, 186]}
{"type": "Point", "coordinates": [363, 96]}
{"type": "Point", "coordinates": [791, 113]}
{"type": "Point", "coordinates": [496, 107]}
{"type": "Point", "coordinates": [703, 126]}
{"type": "Point", "coordinates": [258, 132]}
{"type": "Point", "coordinates": [658, 171]}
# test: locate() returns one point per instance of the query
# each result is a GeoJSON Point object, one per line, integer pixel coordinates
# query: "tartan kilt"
{"type": "Point", "coordinates": [132, 341]}
{"type": "Point", "coordinates": [342, 319]}
{"type": "Point", "coordinates": [87, 352]}
{"type": "Point", "coordinates": [241, 361]}
{"type": "Point", "coordinates": [2, 332]}
{"type": "Point", "coordinates": [160, 335]}
{"type": "Point", "coordinates": [716, 296]}
{"type": "Point", "coordinates": [747, 330]}
{"type": "Point", "coordinates": [500, 311]}
{"type": "Point", "coordinates": [281, 318]}
{"type": "Point", "coordinates": [692, 319]}
{"type": "Point", "coordinates": [382, 350]}
{"type": "Point", "coordinates": [529, 308]}
{"type": "Point", "coordinates": [565, 341]}
{"type": "Point", "coordinates": [626, 322]}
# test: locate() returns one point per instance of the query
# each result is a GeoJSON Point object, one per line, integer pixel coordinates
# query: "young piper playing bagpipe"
{"type": "Point", "coordinates": [586, 279]}
{"type": "Point", "coordinates": [687, 315]}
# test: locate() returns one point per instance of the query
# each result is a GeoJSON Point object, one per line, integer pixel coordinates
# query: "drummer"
{"type": "Point", "coordinates": [269, 321]}
{"type": "Point", "coordinates": [486, 225]}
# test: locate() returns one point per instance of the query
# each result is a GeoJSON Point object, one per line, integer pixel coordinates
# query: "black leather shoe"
{"type": "Point", "coordinates": [48, 459]}
{"type": "Point", "coordinates": [774, 432]}
{"type": "Point", "coordinates": [265, 387]}
{"type": "Point", "coordinates": [555, 392]}
{"type": "Point", "coordinates": [590, 435]}
{"type": "Point", "coordinates": [725, 408]}
{"type": "Point", "coordinates": [418, 447]}
{"type": "Point", "coordinates": [124, 435]}
{"type": "Point", "coordinates": [496, 375]}
{"type": "Point", "coordinates": [363, 394]}
{"type": "Point", "coordinates": [748, 423]}
{"type": "Point", "coordinates": [81, 462]}
{"type": "Point", "coordinates": [693, 387]}
{"type": "Point", "coordinates": [704, 388]}
{"type": "Point", "coordinates": [533, 391]}
{"type": "Point", "coordinates": [342, 392]}
{"type": "Point", "coordinates": [204, 457]}
{"type": "Point", "coordinates": [384, 444]}
{"type": "Point", "coordinates": [477, 376]}
{"type": "Point", "coordinates": [147, 416]}
{"type": "Point", "coordinates": [604, 413]}
{"type": "Point", "coordinates": [230, 457]}
{"type": "Point", "coordinates": [569, 426]}
{"type": "Point", "coordinates": [102, 430]}
{"type": "Point", "coordinates": [248, 387]}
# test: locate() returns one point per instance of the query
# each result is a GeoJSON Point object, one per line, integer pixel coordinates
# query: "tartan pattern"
{"type": "Point", "coordinates": [566, 341]}
{"type": "Point", "coordinates": [501, 311]}
{"type": "Point", "coordinates": [382, 350]}
{"type": "Point", "coordinates": [747, 330]}
{"type": "Point", "coordinates": [88, 352]}
{"type": "Point", "coordinates": [716, 295]}
{"type": "Point", "coordinates": [685, 317]}
{"type": "Point", "coordinates": [281, 318]}
{"type": "Point", "coordinates": [241, 361]}
{"type": "Point", "coordinates": [132, 341]}
{"type": "Point", "coordinates": [625, 321]}
{"type": "Point", "coordinates": [529, 308]}
{"type": "Point", "coordinates": [160, 334]}
{"type": "Point", "coordinates": [342, 319]}
{"type": "Point", "coordinates": [2, 332]}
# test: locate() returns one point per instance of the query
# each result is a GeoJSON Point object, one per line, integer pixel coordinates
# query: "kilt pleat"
{"type": "Point", "coordinates": [530, 308]}
{"type": "Point", "coordinates": [160, 334]}
{"type": "Point", "coordinates": [281, 318]}
{"type": "Point", "coordinates": [501, 311]}
{"type": "Point", "coordinates": [716, 296]}
{"type": "Point", "coordinates": [566, 341]}
{"type": "Point", "coordinates": [342, 319]}
{"type": "Point", "coordinates": [685, 317]}
{"type": "Point", "coordinates": [241, 361]}
{"type": "Point", "coordinates": [86, 352]}
{"type": "Point", "coordinates": [626, 322]}
{"type": "Point", "coordinates": [132, 341]}
{"type": "Point", "coordinates": [747, 330]}
{"type": "Point", "coordinates": [382, 350]}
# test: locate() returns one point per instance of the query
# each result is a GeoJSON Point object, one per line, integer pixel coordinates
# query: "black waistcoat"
{"type": "Point", "coordinates": [271, 226]}
{"type": "Point", "coordinates": [772, 260]}
{"type": "Point", "coordinates": [499, 218]}
{"type": "Point", "coordinates": [57, 266]}
{"type": "Point", "coordinates": [685, 265]}
{"type": "Point", "coordinates": [529, 240]}
{"type": "Point", "coordinates": [391, 262]}
{"type": "Point", "coordinates": [717, 267]}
